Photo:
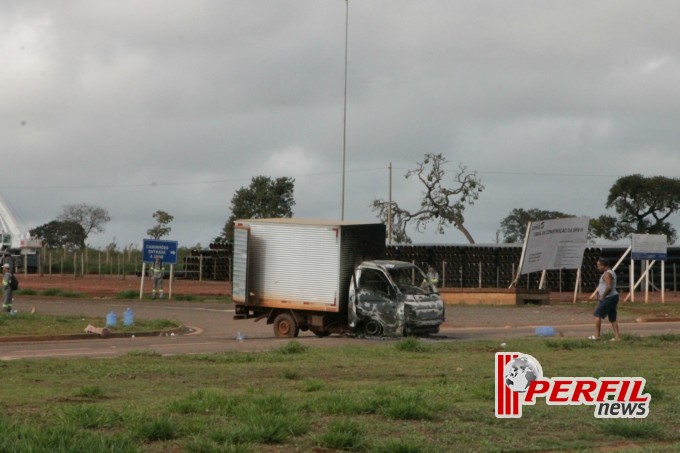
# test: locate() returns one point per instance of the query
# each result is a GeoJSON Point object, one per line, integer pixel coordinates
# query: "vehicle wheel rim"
{"type": "Point", "coordinates": [284, 328]}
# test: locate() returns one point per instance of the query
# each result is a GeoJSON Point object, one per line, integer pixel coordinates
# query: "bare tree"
{"type": "Point", "coordinates": [443, 205]}
{"type": "Point", "coordinates": [91, 218]}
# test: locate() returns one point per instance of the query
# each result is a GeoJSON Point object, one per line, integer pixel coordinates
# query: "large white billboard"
{"type": "Point", "coordinates": [555, 244]}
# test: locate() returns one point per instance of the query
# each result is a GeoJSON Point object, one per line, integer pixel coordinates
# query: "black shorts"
{"type": "Point", "coordinates": [607, 308]}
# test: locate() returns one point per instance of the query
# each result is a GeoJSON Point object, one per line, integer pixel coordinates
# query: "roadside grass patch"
{"type": "Point", "coordinates": [408, 406]}
{"type": "Point", "coordinates": [51, 292]}
{"type": "Point", "coordinates": [412, 344]}
{"type": "Point", "coordinates": [141, 353]}
{"type": "Point", "coordinates": [291, 375]}
{"type": "Point", "coordinates": [371, 397]}
{"type": "Point", "coordinates": [199, 444]}
{"type": "Point", "coordinates": [157, 429]}
{"type": "Point", "coordinates": [208, 401]}
{"type": "Point", "coordinates": [162, 324]}
{"type": "Point", "coordinates": [344, 435]}
{"type": "Point", "coordinates": [633, 429]}
{"type": "Point", "coordinates": [292, 347]}
{"type": "Point", "coordinates": [128, 294]}
{"type": "Point", "coordinates": [23, 438]}
{"type": "Point", "coordinates": [89, 416]}
{"type": "Point", "coordinates": [90, 392]}
{"type": "Point", "coordinates": [401, 446]}
{"type": "Point", "coordinates": [312, 385]}
{"type": "Point", "coordinates": [24, 323]}
{"type": "Point", "coordinates": [570, 344]}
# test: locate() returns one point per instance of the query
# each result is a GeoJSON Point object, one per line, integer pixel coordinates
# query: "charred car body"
{"type": "Point", "coordinates": [328, 277]}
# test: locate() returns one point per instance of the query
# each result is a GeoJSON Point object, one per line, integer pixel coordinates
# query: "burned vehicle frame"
{"type": "Point", "coordinates": [393, 298]}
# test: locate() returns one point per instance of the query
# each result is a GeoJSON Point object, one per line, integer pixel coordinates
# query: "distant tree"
{"type": "Point", "coordinates": [440, 204]}
{"type": "Point", "coordinates": [91, 218]}
{"type": "Point", "coordinates": [56, 234]}
{"type": "Point", "coordinates": [264, 198]}
{"type": "Point", "coordinates": [161, 228]}
{"type": "Point", "coordinates": [643, 205]}
{"type": "Point", "coordinates": [514, 225]}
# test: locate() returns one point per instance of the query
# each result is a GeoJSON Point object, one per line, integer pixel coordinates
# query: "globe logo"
{"type": "Point", "coordinates": [520, 372]}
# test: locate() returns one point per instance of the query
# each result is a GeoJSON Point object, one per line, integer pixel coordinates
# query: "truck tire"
{"type": "Point", "coordinates": [285, 326]}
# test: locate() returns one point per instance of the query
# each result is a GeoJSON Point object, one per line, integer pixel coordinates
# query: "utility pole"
{"type": "Point", "coordinates": [344, 117]}
{"type": "Point", "coordinates": [389, 209]}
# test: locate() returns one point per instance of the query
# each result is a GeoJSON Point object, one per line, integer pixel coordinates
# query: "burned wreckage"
{"type": "Point", "coordinates": [328, 277]}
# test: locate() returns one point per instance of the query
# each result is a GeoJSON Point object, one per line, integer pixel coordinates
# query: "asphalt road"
{"type": "Point", "coordinates": [216, 330]}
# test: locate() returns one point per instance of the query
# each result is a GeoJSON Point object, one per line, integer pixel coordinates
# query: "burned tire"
{"type": "Point", "coordinates": [285, 326]}
{"type": "Point", "coordinates": [373, 328]}
{"type": "Point", "coordinates": [320, 332]}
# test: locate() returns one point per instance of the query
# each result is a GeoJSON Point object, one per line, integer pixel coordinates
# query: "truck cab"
{"type": "Point", "coordinates": [393, 298]}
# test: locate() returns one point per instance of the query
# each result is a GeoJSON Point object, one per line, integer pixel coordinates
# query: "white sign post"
{"type": "Point", "coordinates": [646, 247]}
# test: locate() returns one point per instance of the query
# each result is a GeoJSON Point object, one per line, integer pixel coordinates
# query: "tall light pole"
{"type": "Point", "coordinates": [344, 118]}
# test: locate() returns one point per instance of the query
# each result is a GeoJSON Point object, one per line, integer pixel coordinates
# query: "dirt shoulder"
{"type": "Point", "coordinates": [108, 286]}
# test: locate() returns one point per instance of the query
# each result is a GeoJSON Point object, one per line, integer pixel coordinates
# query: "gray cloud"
{"type": "Point", "coordinates": [175, 105]}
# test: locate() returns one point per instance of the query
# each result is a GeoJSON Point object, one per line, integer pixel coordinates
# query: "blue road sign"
{"type": "Point", "coordinates": [166, 250]}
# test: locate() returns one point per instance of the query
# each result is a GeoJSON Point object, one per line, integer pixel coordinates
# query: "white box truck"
{"type": "Point", "coordinates": [328, 277]}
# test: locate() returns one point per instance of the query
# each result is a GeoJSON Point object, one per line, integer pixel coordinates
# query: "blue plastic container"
{"type": "Point", "coordinates": [128, 317]}
{"type": "Point", "coordinates": [111, 319]}
{"type": "Point", "coordinates": [545, 331]}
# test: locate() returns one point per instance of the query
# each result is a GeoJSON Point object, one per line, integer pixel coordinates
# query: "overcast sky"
{"type": "Point", "coordinates": [138, 106]}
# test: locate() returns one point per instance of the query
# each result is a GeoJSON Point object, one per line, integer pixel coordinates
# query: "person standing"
{"type": "Point", "coordinates": [432, 276]}
{"type": "Point", "coordinates": [608, 300]}
{"type": "Point", "coordinates": [157, 278]}
{"type": "Point", "coordinates": [7, 288]}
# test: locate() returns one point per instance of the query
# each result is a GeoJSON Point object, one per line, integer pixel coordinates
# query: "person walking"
{"type": "Point", "coordinates": [157, 278]}
{"type": "Point", "coordinates": [608, 300]}
{"type": "Point", "coordinates": [7, 288]}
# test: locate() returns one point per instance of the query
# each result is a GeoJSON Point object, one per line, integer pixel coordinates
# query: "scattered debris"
{"type": "Point", "coordinates": [101, 331]}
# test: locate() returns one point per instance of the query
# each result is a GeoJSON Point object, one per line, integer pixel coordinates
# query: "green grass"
{"type": "Point", "coordinates": [37, 324]}
{"type": "Point", "coordinates": [50, 292]}
{"type": "Point", "coordinates": [391, 396]}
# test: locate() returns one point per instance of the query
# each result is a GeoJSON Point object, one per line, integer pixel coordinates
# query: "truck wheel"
{"type": "Point", "coordinates": [285, 326]}
{"type": "Point", "coordinates": [373, 328]}
{"type": "Point", "coordinates": [320, 332]}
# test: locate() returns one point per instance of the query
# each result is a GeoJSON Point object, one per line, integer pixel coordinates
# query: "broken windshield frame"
{"type": "Point", "coordinates": [410, 281]}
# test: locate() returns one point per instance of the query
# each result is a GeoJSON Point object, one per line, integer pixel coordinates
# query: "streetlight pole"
{"type": "Point", "coordinates": [344, 118]}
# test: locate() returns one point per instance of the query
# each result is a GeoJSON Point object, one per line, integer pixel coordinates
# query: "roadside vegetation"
{"type": "Point", "coordinates": [407, 396]}
{"type": "Point", "coordinates": [37, 324]}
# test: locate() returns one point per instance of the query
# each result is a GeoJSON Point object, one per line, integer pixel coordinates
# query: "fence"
{"type": "Point", "coordinates": [495, 266]}
{"type": "Point", "coordinates": [459, 266]}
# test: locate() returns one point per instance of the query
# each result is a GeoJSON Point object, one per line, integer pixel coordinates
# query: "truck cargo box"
{"type": "Point", "coordinates": [300, 264]}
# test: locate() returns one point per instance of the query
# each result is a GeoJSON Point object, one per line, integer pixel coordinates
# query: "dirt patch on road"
{"type": "Point", "coordinates": [112, 285]}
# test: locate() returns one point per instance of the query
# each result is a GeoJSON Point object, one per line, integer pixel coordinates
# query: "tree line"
{"type": "Point", "coordinates": [642, 205]}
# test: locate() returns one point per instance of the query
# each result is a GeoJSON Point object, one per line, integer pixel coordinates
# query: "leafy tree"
{"type": "Point", "coordinates": [443, 205]}
{"type": "Point", "coordinates": [91, 218]}
{"type": "Point", "coordinates": [514, 225]}
{"type": "Point", "coordinates": [56, 234]}
{"type": "Point", "coordinates": [643, 205]}
{"type": "Point", "coordinates": [264, 198]}
{"type": "Point", "coordinates": [161, 228]}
